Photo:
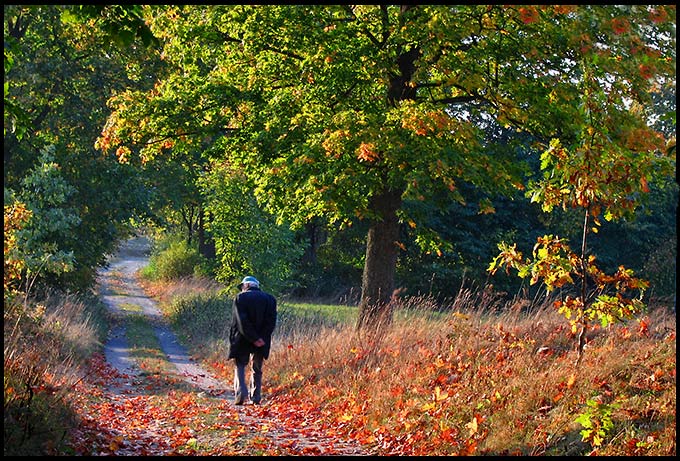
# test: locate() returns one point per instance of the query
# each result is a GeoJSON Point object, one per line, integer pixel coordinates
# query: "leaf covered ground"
{"type": "Point", "coordinates": [146, 396]}
{"type": "Point", "coordinates": [160, 415]}
{"type": "Point", "coordinates": [453, 382]}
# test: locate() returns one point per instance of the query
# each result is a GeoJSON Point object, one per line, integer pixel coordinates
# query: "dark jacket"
{"type": "Point", "coordinates": [253, 316]}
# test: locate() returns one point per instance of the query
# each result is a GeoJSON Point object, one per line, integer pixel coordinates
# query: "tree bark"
{"type": "Point", "coordinates": [206, 244]}
{"type": "Point", "coordinates": [381, 260]}
{"type": "Point", "coordinates": [315, 234]}
{"type": "Point", "coordinates": [377, 284]}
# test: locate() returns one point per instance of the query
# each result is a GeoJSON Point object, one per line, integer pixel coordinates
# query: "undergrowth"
{"type": "Point", "coordinates": [470, 377]}
{"type": "Point", "coordinates": [467, 378]}
{"type": "Point", "coordinates": [46, 346]}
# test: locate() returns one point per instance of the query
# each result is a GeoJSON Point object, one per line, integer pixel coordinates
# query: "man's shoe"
{"type": "Point", "coordinates": [238, 402]}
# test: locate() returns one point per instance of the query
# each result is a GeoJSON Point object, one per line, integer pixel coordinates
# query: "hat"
{"type": "Point", "coordinates": [250, 280]}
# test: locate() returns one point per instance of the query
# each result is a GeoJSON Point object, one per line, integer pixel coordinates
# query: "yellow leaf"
{"type": "Point", "coordinates": [344, 418]}
{"type": "Point", "coordinates": [571, 381]}
{"type": "Point", "coordinates": [439, 395]}
{"type": "Point", "coordinates": [472, 426]}
{"type": "Point", "coordinates": [427, 407]}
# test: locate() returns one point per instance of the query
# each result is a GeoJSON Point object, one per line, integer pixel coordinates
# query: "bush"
{"type": "Point", "coordinates": [173, 259]}
{"type": "Point", "coordinates": [204, 315]}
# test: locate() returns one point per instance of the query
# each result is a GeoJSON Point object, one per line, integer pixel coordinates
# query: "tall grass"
{"type": "Point", "coordinates": [473, 376]}
{"type": "Point", "coordinates": [46, 344]}
{"type": "Point", "coordinates": [466, 382]}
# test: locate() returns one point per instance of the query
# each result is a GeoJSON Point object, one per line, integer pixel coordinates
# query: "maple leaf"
{"type": "Point", "coordinates": [528, 15]}
{"type": "Point", "coordinates": [366, 153]}
{"type": "Point", "coordinates": [472, 426]}
{"type": "Point", "coordinates": [439, 395]}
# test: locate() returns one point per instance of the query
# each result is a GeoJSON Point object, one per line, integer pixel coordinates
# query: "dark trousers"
{"type": "Point", "coordinates": [242, 389]}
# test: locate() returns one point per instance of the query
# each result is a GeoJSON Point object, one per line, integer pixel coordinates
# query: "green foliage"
{"type": "Point", "coordinates": [596, 421]}
{"type": "Point", "coordinates": [202, 315]}
{"type": "Point", "coordinates": [319, 124]}
{"type": "Point", "coordinates": [248, 240]}
{"type": "Point", "coordinates": [172, 259]}
{"type": "Point", "coordinates": [60, 71]}
{"type": "Point", "coordinates": [612, 153]}
{"type": "Point", "coordinates": [329, 108]}
{"type": "Point", "coordinates": [41, 241]}
{"type": "Point", "coordinates": [122, 23]}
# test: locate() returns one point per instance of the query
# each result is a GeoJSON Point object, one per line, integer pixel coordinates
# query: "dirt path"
{"type": "Point", "coordinates": [119, 290]}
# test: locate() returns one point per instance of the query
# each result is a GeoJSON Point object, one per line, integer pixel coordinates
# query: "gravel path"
{"type": "Point", "coordinates": [119, 290]}
{"type": "Point", "coordinates": [124, 267]}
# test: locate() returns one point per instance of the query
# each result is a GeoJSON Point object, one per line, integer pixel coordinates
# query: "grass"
{"type": "Point", "coordinates": [145, 348]}
{"type": "Point", "coordinates": [467, 377]}
{"type": "Point", "coordinates": [472, 377]}
{"type": "Point", "coordinates": [46, 346]}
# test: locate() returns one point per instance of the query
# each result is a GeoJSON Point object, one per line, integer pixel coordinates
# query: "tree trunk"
{"type": "Point", "coordinates": [377, 284]}
{"type": "Point", "coordinates": [315, 234]}
{"type": "Point", "coordinates": [206, 244]}
{"type": "Point", "coordinates": [381, 260]}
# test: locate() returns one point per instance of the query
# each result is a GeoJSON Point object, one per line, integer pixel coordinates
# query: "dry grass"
{"type": "Point", "coordinates": [46, 344]}
{"type": "Point", "coordinates": [478, 377]}
{"type": "Point", "coordinates": [473, 377]}
{"type": "Point", "coordinates": [466, 382]}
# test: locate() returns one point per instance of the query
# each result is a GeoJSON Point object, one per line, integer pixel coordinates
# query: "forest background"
{"type": "Point", "coordinates": [300, 144]}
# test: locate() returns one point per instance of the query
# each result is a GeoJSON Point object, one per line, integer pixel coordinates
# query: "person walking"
{"type": "Point", "coordinates": [253, 321]}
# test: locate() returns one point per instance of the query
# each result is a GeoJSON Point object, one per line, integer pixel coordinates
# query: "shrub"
{"type": "Point", "coordinates": [204, 314]}
{"type": "Point", "coordinates": [172, 260]}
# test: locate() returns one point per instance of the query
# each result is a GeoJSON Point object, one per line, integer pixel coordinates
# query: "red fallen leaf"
{"type": "Point", "coordinates": [643, 329]}
{"type": "Point", "coordinates": [311, 450]}
{"type": "Point", "coordinates": [469, 448]}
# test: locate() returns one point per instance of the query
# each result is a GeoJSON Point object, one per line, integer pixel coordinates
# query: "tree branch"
{"type": "Point", "coordinates": [228, 38]}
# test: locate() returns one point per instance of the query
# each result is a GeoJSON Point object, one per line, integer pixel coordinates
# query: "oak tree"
{"type": "Point", "coordinates": [345, 112]}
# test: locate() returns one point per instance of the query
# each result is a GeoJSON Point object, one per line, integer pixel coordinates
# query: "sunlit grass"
{"type": "Point", "coordinates": [468, 383]}
{"type": "Point", "coordinates": [472, 377]}
{"type": "Point", "coordinates": [145, 348]}
{"type": "Point", "coordinates": [131, 308]}
{"type": "Point", "coordinates": [329, 312]}
{"type": "Point", "coordinates": [46, 344]}
{"type": "Point", "coordinates": [469, 376]}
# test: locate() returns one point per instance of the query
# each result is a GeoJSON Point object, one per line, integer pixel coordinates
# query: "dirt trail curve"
{"type": "Point", "coordinates": [119, 290]}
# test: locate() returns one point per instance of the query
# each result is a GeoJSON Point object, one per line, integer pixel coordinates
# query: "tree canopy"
{"type": "Point", "coordinates": [420, 126]}
{"type": "Point", "coordinates": [61, 66]}
{"type": "Point", "coordinates": [342, 112]}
